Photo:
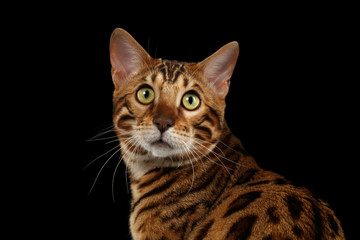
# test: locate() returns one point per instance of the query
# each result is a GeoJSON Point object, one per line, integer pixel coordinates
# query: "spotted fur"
{"type": "Point", "coordinates": [192, 178]}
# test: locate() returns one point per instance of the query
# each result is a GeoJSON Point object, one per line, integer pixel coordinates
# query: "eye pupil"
{"type": "Point", "coordinates": [190, 100]}
{"type": "Point", "coordinates": [146, 93]}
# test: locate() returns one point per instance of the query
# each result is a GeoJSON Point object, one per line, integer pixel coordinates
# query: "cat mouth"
{"type": "Point", "coordinates": [161, 144]}
{"type": "Point", "coordinates": [160, 148]}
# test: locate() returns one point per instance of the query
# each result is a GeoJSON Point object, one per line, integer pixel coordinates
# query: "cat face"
{"type": "Point", "coordinates": [167, 113]}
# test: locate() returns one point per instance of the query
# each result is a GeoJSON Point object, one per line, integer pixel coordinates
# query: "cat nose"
{"type": "Point", "coordinates": [163, 124]}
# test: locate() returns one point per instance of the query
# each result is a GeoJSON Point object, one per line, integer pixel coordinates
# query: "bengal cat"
{"type": "Point", "coordinates": [191, 178]}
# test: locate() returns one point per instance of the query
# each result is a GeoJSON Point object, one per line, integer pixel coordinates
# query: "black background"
{"type": "Point", "coordinates": [289, 102]}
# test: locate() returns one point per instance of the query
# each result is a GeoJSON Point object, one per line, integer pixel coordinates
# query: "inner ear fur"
{"type": "Point", "coordinates": [218, 68]}
{"type": "Point", "coordinates": [126, 55]}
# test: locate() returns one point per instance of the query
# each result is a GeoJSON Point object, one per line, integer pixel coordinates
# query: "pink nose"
{"type": "Point", "coordinates": [163, 124]}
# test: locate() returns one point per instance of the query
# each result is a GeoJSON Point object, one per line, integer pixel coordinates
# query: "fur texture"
{"type": "Point", "coordinates": [190, 176]}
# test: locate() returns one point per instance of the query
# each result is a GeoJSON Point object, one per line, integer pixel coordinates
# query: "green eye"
{"type": "Point", "coordinates": [145, 95]}
{"type": "Point", "coordinates": [190, 101]}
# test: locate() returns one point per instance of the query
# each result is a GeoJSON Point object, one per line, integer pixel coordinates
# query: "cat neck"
{"type": "Point", "coordinates": [228, 153]}
{"type": "Point", "coordinates": [228, 160]}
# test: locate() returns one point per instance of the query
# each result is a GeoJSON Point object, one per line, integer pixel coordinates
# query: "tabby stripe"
{"type": "Point", "coordinates": [164, 72]}
{"type": "Point", "coordinates": [157, 190]}
{"type": "Point", "coordinates": [259, 183]}
{"type": "Point", "coordinates": [153, 77]}
{"type": "Point", "coordinates": [156, 204]}
{"type": "Point", "coordinates": [218, 199]}
{"type": "Point", "coordinates": [177, 73]}
{"type": "Point", "coordinates": [242, 202]}
{"type": "Point", "coordinates": [199, 137]}
{"type": "Point", "coordinates": [204, 118]}
{"type": "Point", "coordinates": [116, 110]}
{"type": "Point", "coordinates": [297, 231]}
{"type": "Point", "coordinates": [213, 170]}
{"type": "Point", "coordinates": [141, 151]}
{"type": "Point", "coordinates": [213, 112]}
{"type": "Point", "coordinates": [134, 149]}
{"type": "Point", "coordinates": [141, 226]}
{"type": "Point", "coordinates": [169, 71]}
{"type": "Point", "coordinates": [125, 136]}
{"type": "Point", "coordinates": [186, 82]}
{"type": "Point", "coordinates": [246, 177]}
{"type": "Point", "coordinates": [318, 221]}
{"type": "Point", "coordinates": [215, 140]}
{"type": "Point", "coordinates": [181, 211]}
{"type": "Point", "coordinates": [333, 224]}
{"type": "Point", "coordinates": [210, 177]}
{"type": "Point", "coordinates": [198, 87]}
{"type": "Point", "coordinates": [126, 117]}
{"type": "Point", "coordinates": [280, 181]}
{"type": "Point", "coordinates": [242, 228]}
{"type": "Point", "coordinates": [131, 148]}
{"type": "Point", "coordinates": [204, 129]}
{"type": "Point", "coordinates": [204, 231]}
{"type": "Point", "coordinates": [273, 216]}
{"type": "Point", "coordinates": [120, 99]}
{"type": "Point", "coordinates": [127, 105]}
{"type": "Point", "coordinates": [143, 209]}
{"type": "Point", "coordinates": [295, 206]}
{"type": "Point", "coordinates": [176, 76]}
{"type": "Point", "coordinates": [183, 228]}
{"type": "Point", "coordinates": [159, 174]}
{"type": "Point", "coordinates": [127, 128]}
{"type": "Point", "coordinates": [153, 170]}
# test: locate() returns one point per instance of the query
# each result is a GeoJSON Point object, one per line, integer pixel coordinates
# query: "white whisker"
{"type": "Point", "coordinates": [99, 135]}
{"type": "Point", "coordinates": [97, 176]}
{"type": "Point", "coordinates": [193, 176]}
{"type": "Point", "coordinates": [221, 165]}
{"type": "Point", "coordinates": [192, 165]}
{"type": "Point", "coordinates": [116, 140]}
{"type": "Point", "coordinates": [100, 139]}
{"type": "Point", "coordinates": [113, 178]}
{"type": "Point", "coordinates": [216, 155]}
{"type": "Point", "coordinates": [196, 152]}
{"type": "Point", "coordinates": [226, 145]}
{"type": "Point", "coordinates": [87, 165]}
{"type": "Point", "coordinates": [118, 147]}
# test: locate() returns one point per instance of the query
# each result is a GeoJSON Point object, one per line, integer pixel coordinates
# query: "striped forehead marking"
{"type": "Point", "coordinates": [171, 70]}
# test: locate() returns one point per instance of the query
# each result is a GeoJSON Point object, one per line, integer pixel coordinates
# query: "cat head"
{"type": "Point", "coordinates": [167, 113]}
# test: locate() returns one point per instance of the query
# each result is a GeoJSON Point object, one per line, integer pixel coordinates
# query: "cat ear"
{"type": "Point", "coordinates": [218, 68]}
{"type": "Point", "coordinates": [126, 55]}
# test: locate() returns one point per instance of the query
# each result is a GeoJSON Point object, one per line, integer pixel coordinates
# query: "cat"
{"type": "Point", "coordinates": [191, 178]}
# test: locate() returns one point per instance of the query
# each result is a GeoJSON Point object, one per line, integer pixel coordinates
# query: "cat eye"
{"type": "Point", "coordinates": [190, 101]}
{"type": "Point", "coordinates": [145, 95]}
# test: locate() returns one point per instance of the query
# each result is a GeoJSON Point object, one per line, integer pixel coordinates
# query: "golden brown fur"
{"type": "Point", "coordinates": [190, 176]}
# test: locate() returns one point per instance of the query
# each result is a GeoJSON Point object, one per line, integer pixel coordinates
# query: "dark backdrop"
{"type": "Point", "coordinates": [287, 101]}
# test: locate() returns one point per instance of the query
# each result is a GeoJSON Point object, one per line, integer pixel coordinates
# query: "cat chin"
{"type": "Point", "coordinates": [161, 149]}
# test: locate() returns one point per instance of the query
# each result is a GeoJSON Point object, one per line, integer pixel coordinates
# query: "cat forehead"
{"type": "Point", "coordinates": [171, 70]}
{"type": "Point", "coordinates": [171, 75]}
